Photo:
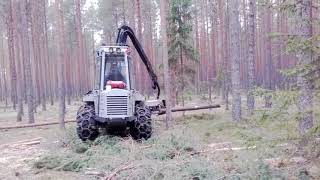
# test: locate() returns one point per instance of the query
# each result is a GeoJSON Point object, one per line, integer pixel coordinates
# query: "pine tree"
{"type": "Point", "coordinates": [303, 31]}
{"type": "Point", "coordinates": [180, 40]}
{"type": "Point", "coordinates": [61, 59]}
{"type": "Point", "coordinates": [29, 81]}
{"type": "Point", "coordinates": [235, 59]}
{"type": "Point", "coordinates": [163, 14]}
{"type": "Point", "coordinates": [251, 55]}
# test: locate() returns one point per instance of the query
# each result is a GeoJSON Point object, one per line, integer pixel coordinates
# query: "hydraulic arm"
{"type": "Point", "coordinates": [124, 32]}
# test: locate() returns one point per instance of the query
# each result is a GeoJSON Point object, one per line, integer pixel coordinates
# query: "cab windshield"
{"type": "Point", "coordinates": [116, 69]}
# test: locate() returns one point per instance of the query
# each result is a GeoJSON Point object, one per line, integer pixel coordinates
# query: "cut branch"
{"type": "Point", "coordinates": [223, 149]}
{"type": "Point", "coordinates": [33, 125]}
{"type": "Point", "coordinates": [124, 167]}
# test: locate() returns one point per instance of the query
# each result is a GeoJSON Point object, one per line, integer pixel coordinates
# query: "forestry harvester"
{"type": "Point", "coordinates": [114, 103]}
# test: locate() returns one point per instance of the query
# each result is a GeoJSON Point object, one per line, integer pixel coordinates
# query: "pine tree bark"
{"type": "Point", "coordinates": [268, 66]}
{"type": "Point", "coordinates": [11, 48]}
{"type": "Point", "coordinates": [235, 61]}
{"type": "Point", "coordinates": [46, 51]}
{"type": "Point", "coordinates": [163, 14]}
{"type": "Point", "coordinates": [35, 52]}
{"type": "Point", "coordinates": [139, 30]}
{"type": "Point", "coordinates": [18, 56]}
{"type": "Point", "coordinates": [303, 30]}
{"type": "Point", "coordinates": [3, 70]}
{"type": "Point", "coordinates": [42, 61]}
{"type": "Point", "coordinates": [5, 82]}
{"type": "Point", "coordinates": [226, 55]}
{"type": "Point", "coordinates": [26, 39]}
{"type": "Point", "coordinates": [197, 84]}
{"type": "Point", "coordinates": [80, 46]}
{"type": "Point", "coordinates": [61, 60]}
{"type": "Point", "coordinates": [251, 55]}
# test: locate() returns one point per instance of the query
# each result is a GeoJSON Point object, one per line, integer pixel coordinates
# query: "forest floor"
{"type": "Point", "coordinates": [200, 145]}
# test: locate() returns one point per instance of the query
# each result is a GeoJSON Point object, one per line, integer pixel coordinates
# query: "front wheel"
{"type": "Point", "coordinates": [87, 128]}
{"type": "Point", "coordinates": [141, 127]}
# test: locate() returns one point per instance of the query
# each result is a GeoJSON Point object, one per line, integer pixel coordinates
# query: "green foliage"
{"type": "Point", "coordinates": [180, 31]}
{"type": "Point", "coordinates": [297, 44]}
{"type": "Point", "coordinates": [169, 153]}
{"type": "Point", "coordinates": [284, 114]}
{"type": "Point", "coordinates": [284, 104]}
{"type": "Point", "coordinates": [60, 163]}
{"type": "Point", "coordinates": [261, 92]}
{"type": "Point", "coordinates": [163, 157]}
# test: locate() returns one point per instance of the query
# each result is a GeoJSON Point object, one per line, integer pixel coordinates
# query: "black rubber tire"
{"type": "Point", "coordinates": [141, 128]}
{"type": "Point", "coordinates": [87, 128]}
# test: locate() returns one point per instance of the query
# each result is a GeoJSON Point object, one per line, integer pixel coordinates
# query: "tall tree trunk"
{"type": "Point", "coordinates": [303, 30]}
{"type": "Point", "coordinates": [197, 84]}
{"type": "Point", "coordinates": [268, 66]}
{"type": "Point", "coordinates": [61, 61]}
{"type": "Point", "coordinates": [11, 48]}
{"type": "Point", "coordinates": [3, 64]}
{"type": "Point", "coordinates": [251, 56]}
{"type": "Point", "coordinates": [18, 56]}
{"type": "Point", "coordinates": [235, 61]}
{"type": "Point", "coordinates": [2, 69]}
{"type": "Point", "coordinates": [80, 46]}
{"type": "Point", "coordinates": [163, 14]}
{"type": "Point", "coordinates": [42, 61]}
{"type": "Point", "coordinates": [35, 52]}
{"type": "Point", "coordinates": [139, 30]}
{"type": "Point", "coordinates": [226, 47]}
{"type": "Point", "coordinates": [48, 62]}
{"type": "Point", "coordinates": [26, 39]}
{"type": "Point", "coordinates": [182, 76]}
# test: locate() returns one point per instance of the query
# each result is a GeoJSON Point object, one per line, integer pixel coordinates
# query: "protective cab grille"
{"type": "Point", "coordinates": [117, 105]}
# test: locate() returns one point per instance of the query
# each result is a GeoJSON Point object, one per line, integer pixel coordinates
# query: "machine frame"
{"type": "Point", "coordinates": [119, 109]}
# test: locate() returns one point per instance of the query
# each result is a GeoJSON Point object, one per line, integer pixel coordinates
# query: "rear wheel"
{"type": "Point", "coordinates": [87, 128]}
{"type": "Point", "coordinates": [141, 128]}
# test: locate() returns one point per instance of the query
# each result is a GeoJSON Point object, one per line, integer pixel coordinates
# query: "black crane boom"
{"type": "Point", "coordinates": [124, 32]}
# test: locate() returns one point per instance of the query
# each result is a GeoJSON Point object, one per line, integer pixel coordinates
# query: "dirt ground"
{"type": "Point", "coordinates": [16, 158]}
{"type": "Point", "coordinates": [229, 146]}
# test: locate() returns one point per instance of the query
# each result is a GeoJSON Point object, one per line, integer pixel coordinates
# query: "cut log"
{"type": "Point", "coordinates": [196, 108]}
{"type": "Point", "coordinates": [223, 150]}
{"type": "Point", "coordinates": [33, 125]}
{"type": "Point", "coordinates": [29, 142]}
{"type": "Point", "coordinates": [94, 173]}
{"type": "Point", "coordinates": [23, 145]}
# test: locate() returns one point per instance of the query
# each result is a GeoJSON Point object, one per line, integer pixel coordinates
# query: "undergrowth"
{"type": "Point", "coordinates": [170, 154]}
{"type": "Point", "coordinates": [163, 157]}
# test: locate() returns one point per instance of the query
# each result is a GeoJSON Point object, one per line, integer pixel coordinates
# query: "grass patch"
{"type": "Point", "coordinates": [169, 153]}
